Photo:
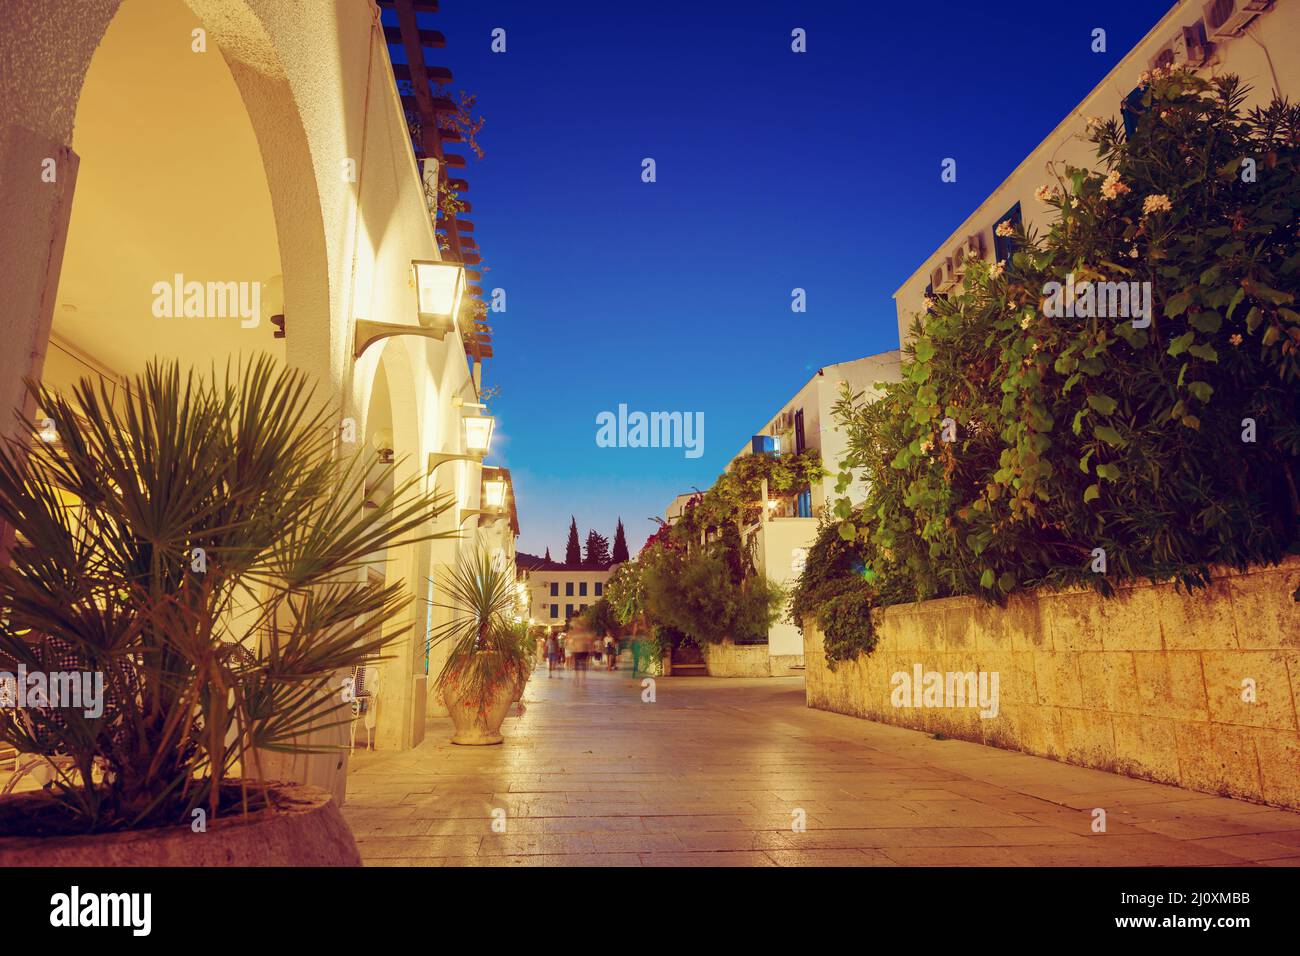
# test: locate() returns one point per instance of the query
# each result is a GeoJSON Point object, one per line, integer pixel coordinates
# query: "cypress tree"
{"type": "Point", "coordinates": [573, 550]}
{"type": "Point", "coordinates": [620, 545]}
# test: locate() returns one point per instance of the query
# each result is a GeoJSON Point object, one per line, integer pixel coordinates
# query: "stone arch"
{"type": "Point", "coordinates": [277, 120]}
{"type": "Point", "coordinates": [46, 52]}
{"type": "Point", "coordinates": [387, 385]}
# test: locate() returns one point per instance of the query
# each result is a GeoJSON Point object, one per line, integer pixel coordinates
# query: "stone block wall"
{"type": "Point", "coordinates": [737, 660]}
{"type": "Point", "coordinates": [1151, 683]}
{"type": "Point", "coordinates": [785, 665]}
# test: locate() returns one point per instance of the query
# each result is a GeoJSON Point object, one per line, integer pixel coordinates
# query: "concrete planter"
{"type": "Point", "coordinates": [305, 829]}
{"type": "Point", "coordinates": [519, 687]}
{"type": "Point", "coordinates": [472, 728]}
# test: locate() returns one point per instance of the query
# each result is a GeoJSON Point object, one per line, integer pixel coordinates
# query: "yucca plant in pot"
{"type": "Point", "coordinates": [486, 660]}
{"type": "Point", "coordinates": [198, 545]}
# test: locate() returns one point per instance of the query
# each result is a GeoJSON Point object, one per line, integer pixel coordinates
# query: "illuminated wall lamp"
{"type": "Point", "coordinates": [478, 432]}
{"type": "Point", "coordinates": [494, 493]}
{"type": "Point", "coordinates": [494, 497]}
{"type": "Point", "coordinates": [439, 287]}
{"type": "Point", "coordinates": [478, 436]}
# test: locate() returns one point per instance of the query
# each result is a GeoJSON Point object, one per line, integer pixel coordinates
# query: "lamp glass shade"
{"type": "Point", "coordinates": [439, 287]}
{"type": "Point", "coordinates": [478, 433]}
{"type": "Point", "coordinates": [494, 494]}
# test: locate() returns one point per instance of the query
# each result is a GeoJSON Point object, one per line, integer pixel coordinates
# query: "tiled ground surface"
{"type": "Point", "coordinates": [712, 772]}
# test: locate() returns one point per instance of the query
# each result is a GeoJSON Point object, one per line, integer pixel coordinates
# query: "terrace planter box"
{"type": "Point", "coordinates": [304, 829]}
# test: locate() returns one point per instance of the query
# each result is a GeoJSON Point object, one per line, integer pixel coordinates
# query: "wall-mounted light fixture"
{"type": "Point", "coordinates": [494, 501]}
{"type": "Point", "coordinates": [383, 445]}
{"type": "Point", "coordinates": [494, 494]}
{"type": "Point", "coordinates": [478, 433]}
{"type": "Point", "coordinates": [439, 288]}
{"type": "Point", "coordinates": [478, 437]}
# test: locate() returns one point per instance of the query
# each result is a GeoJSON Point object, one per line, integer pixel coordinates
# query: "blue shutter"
{"type": "Point", "coordinates": [1131, 108]}
{"type": "Point", "coordinates": [1004, 246]}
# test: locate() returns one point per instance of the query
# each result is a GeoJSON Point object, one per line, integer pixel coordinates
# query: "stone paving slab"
{"type": "Point", "coordinates": [717, 772]}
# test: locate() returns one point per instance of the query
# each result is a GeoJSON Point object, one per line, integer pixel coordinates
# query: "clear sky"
{"type": "Point", "coordinates": [775, 170]}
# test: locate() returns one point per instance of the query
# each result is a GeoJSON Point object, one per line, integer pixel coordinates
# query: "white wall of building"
{"type": "Point", "coordinates": [816, 399]}
{"type": "Point", "coordinates": [782, 545]}
{"type": "Point", "coordinates": [1263, 56]}
{"type": "Point", "coordinates": [326, 184]}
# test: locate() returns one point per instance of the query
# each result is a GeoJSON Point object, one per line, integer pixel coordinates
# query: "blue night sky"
{"type": "Point", "coordinates": [775, 171]}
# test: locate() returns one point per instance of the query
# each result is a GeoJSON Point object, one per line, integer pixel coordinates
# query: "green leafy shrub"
{"type": "Point", "coordinates": [600, 618]}
{"type": "Point", "coordinates": [836, 570]}
{"type": "Point", "coordinates": [625, 595]}
{"type": "Point", "coordinates": [696, 593]}
{"type": "Point", "coordinates": [846, 622]}
{"type": "Point", "coordinates": [697, 577]}
{"type": "Point", "coordinates": [1081, 432]}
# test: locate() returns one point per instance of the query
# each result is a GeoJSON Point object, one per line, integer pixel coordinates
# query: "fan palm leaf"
{"type": "Point", "coordinates": [201, 542]}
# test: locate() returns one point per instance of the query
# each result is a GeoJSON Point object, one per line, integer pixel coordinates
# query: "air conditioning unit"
{"type": "Point", "coordinates": [958, 261]}
{"type": "Point", "coordinates": [1190, 47]}
{"type": "Point", "coordinates": [948, 276]}
{"type": "Point", "coordinates": [1164, 59]}
{"type": "Point", "coordinates": [1227, 18]}
{"type": "Point", "coordinates": [936, 278]}
{"type": "Point", "coordinates": [954, 267]}
{"type": "Point", "coordinates": [975, 244]}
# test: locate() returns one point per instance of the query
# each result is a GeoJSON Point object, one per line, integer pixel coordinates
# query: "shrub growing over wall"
{"type": "Point", "coordinates": [1041, 439]}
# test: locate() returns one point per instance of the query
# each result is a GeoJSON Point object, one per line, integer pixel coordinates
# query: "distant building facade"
{"type": "Point", "coordinates": [557, 594]}
{"type": "Point", "coordinates": [789, 525]}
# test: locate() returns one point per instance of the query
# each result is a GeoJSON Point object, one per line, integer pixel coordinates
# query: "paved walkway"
{"type": "Point", "coordinates": [714, 771]}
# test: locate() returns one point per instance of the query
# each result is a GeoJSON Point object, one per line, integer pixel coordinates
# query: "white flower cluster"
{"type": "Point", "coordinates": [1157, 203]}
{"type": "Point", "coordinates": [1111, 187]}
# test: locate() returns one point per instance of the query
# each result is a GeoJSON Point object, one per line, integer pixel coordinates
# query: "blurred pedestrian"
{"type": "Point", "coordinates": [580, 643]}
{"type": "Point", "coordinates": [638, 650]}
{"type": "Point", "coordinates": [552, 653]}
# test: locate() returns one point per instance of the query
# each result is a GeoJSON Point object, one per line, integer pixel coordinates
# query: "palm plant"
{"type": "Point", "coordinates": [202, 544]}
{"type": "Point", "coordinates": [486, 653]}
